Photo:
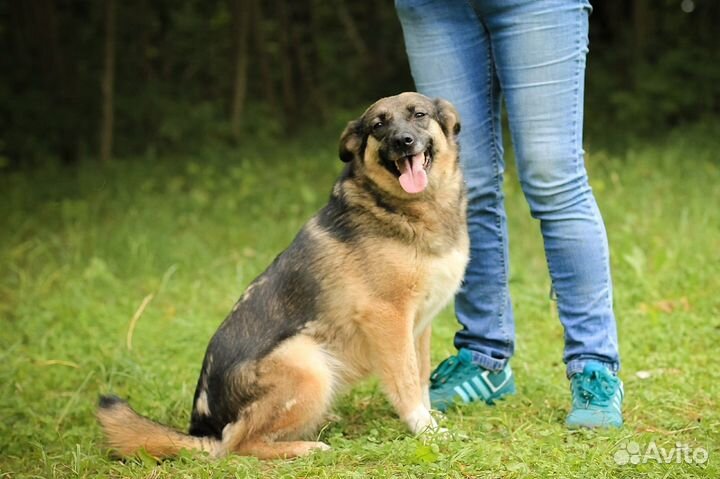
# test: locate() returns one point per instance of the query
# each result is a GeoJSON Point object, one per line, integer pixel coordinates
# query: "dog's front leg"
{"type": "Point", "coordinates": [395, 360]}
{"type": "Point", "coordinates": [423, 358]}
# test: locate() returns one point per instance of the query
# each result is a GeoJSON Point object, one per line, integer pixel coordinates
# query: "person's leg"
{"type": "Point", "coordinates": [450, 57]}
{"type": "Point", "coordinates": [540, 50]}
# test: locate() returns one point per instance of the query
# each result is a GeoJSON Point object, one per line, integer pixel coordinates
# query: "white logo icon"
{"type": "Point", "coordinates": [632, 453]}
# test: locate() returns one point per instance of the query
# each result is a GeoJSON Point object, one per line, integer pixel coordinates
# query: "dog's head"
{"type": "Point", "coordinates": [405, 143]}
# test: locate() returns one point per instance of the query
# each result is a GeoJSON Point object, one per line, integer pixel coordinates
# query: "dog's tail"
{"type": "Point", "coordinates": [127, 432]}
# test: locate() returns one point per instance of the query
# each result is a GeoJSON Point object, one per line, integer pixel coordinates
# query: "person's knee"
{"type": "Point", "coordinates": [554, 189]}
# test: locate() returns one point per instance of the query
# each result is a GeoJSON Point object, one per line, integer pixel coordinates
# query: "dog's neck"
{"type": "Point", "coordinates": [429, 222]}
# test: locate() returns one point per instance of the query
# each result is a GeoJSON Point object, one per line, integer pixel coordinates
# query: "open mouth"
{"type": "Point", "coordinates": [413, 171]}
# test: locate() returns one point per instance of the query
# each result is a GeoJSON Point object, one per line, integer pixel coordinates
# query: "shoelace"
{"type": "Point", "coordinates": [596, 389]}
{"type": "Point", "coordinates": [443, 371]}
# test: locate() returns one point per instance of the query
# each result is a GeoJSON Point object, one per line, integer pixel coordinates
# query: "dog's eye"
{"type": "Point", "coordinates": [377, 125]}
{"type": "Point", "coordinates": [420, 114]}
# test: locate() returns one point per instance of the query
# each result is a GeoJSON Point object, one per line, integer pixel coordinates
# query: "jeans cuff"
{"type": "Point", "coordinates": [487, 362]}
{"type": "Point", "coordinates": [577, 365]}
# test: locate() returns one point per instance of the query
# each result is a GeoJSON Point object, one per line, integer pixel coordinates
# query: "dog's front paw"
{"type": "Point", "coordinates": [420, 420]}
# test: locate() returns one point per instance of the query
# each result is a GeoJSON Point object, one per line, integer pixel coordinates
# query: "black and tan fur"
{"type": "Point", "coordinates": [352, 295]}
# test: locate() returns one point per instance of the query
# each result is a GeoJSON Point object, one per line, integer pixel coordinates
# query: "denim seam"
{"type": "Point", "coordinates": [498, 186]}
{"type": "Point", "coordinates": [582, 37]}
{"type": "Point", "coordinates": [576, 157]}
{"type": "Point", "coordinates": [578, 72]}
{"type": "Point", "coordinates": [576, 364]}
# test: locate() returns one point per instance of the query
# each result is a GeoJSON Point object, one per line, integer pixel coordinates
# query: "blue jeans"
{"type": "Point", "coordinates": [532, 53]}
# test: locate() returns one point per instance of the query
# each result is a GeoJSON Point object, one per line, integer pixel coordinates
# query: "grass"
{"type": "Point", "coordinates": [81, 249]}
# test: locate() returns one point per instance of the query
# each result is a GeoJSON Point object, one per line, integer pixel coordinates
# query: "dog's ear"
{"type": "Point", "coordinates": [447, 116]}
{"type": "Point", "coordinates": [351, 141]}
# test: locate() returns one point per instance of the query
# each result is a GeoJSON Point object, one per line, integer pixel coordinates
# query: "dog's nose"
{"type": "Point", "coordinates": [403, 140]}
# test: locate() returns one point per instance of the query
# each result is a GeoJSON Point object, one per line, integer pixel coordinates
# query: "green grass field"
{"type": "Point", "coordinates": [82, 249]}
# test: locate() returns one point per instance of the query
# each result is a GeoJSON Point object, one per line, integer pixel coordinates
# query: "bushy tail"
{"type": "Point", "coordinates": [127, 432]}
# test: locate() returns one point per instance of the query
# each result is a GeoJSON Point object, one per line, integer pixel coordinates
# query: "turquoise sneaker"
{"type": "Point", "coordinates": [457, 380]}
{"type": "Point", "coordinates": [597, 397]}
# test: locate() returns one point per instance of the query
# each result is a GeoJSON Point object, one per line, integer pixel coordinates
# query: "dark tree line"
{"type": "Point", "coordinates": [96, 79]}
{"type": "Point", "coordinates": [653, 64]}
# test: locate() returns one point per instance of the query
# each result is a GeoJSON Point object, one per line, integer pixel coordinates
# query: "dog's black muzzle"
{"type": "Point", "coordinates": [402, 143]}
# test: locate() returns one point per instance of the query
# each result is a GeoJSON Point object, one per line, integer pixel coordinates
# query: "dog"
{"type": "Point", "coordinates": [353, 294]}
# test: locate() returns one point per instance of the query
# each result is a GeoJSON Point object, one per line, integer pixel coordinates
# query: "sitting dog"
{"type": "Point", "coordinates": [353, 294]}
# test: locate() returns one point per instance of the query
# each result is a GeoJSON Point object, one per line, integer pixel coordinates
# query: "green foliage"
{"type": "Point", "coordinates": [175, 67]}
{"type": "Point", "coordinates": [80, 249]}
{"type": "Point", "coordinates": [662, 72]}
{"type": "Point", "coordinates": [650, 68]}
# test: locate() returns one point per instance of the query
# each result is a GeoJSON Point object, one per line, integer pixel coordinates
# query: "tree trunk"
{"type": "Point", "coordinates": [286, 63]}
{"type": "Point", "coordinates": [260, 46]}
{"type": "Point", "coordinates": [642, 25]}
{"type": "Point", "coordinates": [107, 84]}
{"type": "Point", "coordinates": [302, 43]}
{"type": "Point", "coordinates": [352, 31]}
{"type": "Point", "coordinates": [241, 22]}
{"type": "Point", "coordinates": [60, 76]}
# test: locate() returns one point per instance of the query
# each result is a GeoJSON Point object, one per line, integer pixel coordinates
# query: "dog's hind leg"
{"type": "Point", "coordinates": [280, 449]}
{"type": "Point", "coordinates": [299, 380]}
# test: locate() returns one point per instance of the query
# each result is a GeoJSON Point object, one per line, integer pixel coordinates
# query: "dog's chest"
{"type": "Point", "coordinates": [444, 275]}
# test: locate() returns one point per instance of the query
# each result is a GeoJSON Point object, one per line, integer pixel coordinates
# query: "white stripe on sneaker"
{"type": "Point", "coordinates": [470, 391]}
{"type": "Point", "coordinates": [461, 393]}
{"type": "Point", "coordinates": [482, 388]}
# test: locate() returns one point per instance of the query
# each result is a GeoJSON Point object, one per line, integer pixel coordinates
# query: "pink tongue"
{"type": "Point", "coordinates": [413, 178]}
